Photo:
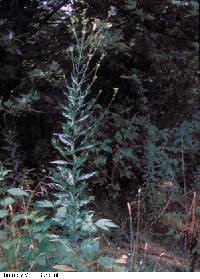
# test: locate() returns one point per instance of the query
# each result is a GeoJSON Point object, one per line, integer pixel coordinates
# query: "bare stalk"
{"type": "Point", "coordinates": [137, 230]}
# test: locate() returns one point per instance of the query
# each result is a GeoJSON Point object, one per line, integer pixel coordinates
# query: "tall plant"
{"type": "Point", "coordinates": [74, 143]}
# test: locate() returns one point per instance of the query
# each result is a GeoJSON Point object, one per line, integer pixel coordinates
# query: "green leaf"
{"type": "Point", "coordinates": [106, 148]}
{"type": "Point", "coordinates": [87, 176]}
{"type": "Point", "coordinates": [3, 173]}
{"type": "Point", "coordinates": [70, 178]}
{"type": "Point", "coordinates": [105, 224]}
{"type": "Point", "coordinates": [45, 204]}
{"type": "Point", "coordinates": [7, 201]}
{"type": "Point", "coordinates": [41, 227]}
{"type": "Point", "coordinates": [88, 225]}
{"type": "Point", "coordinates": [17, 192]}
{"type": "Point", "coordinates": [82, 119]}
{"type": "Point", "coordinates": [61, 212]}
{"type": "Point", "coordinates": [3, 213]}
{"type": "Point", "coordinates": [17, 218]}
{"type": "Point", "coordinates": [89, 248]}
{"type": "Point", "coordinates": [60, 162]}
{"type": "Point", "coordinates": [64, 140]}
{"type": "Point", "coordinates": [81, 160]}
{"type": "Point", "coordinates": [85, 147]}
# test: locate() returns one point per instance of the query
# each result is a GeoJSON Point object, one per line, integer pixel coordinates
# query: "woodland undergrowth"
{"type": "Point", "coordinates": [101, 153]}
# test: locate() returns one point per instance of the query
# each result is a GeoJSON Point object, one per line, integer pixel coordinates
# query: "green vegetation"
{"type": "Point", "coordinates": [99, 141]}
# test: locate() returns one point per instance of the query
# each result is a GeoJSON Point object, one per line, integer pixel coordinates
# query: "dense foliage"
{"type": "Point", "coordinates": [109, 92]}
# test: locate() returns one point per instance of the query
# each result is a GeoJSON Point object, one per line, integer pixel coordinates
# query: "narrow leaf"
{"type": "Point", "coordinates": [64, 140]}
{"type": "Point", "coordinates": [86, 147]}
{"type": "Point", "coordinates": [45, 204]}
{"type": "Point", "coordinates": [82, 119]}
{"type": "Point", "coordinates": [60, 162]}
{"type": "Point", "coordinates": [87, 176]}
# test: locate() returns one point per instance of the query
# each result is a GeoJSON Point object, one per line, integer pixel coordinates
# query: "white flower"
{"type": "Point", "coordinates": [109, 25]}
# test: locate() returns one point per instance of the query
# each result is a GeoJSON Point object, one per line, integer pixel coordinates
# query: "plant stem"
{"type": "Point", "coordinates": [137, 230]}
